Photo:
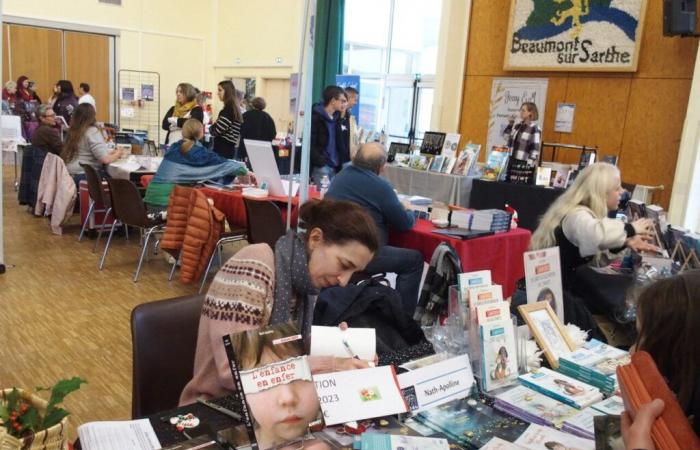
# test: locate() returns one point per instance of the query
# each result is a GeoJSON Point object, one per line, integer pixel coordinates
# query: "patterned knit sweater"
{"type": "Point", "coordinates": [240, 298]}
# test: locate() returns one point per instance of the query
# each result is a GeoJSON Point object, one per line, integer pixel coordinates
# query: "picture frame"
{"type": "Point", "coordinates": [433, 142]}
{"type": "Point", "coordinates": [574, 37]}
{"type": "Point", "coordinates": [548, 331]}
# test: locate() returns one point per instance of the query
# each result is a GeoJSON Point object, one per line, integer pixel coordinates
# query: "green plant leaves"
{"type": "Point", "coordinates": [61, 389]}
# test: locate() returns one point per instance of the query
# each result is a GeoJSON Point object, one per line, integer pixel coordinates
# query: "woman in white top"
{"type": "Point", "coordinates": [85, 144]}
{"type": "Point", "coordinates": [578, 223]}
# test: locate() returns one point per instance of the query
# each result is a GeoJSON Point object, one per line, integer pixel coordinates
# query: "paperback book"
{"type": "Point", "coordinates": [613, 406]}
{"type": "Point", "coordinates": [496, 163]}
{"type": "Point", "coordinates": [420, 162]}
{"type": "Point", "coordinates": [595, 363]}
{"type": "Point", "coordinates": [499, 366]}
{"type": "Point", "coordinates": [437, 163]}
{"type": "Point", "coordinates": [543, 279]}
{"type": "Point", "coordinates": [583, 423]}
{"type": "Point", "coordinates": [534, 407]}
{"type": "Point", "coordinates": [537, 437]}
{"type": "Point", "coordinates": [449, 147]}
{"type": "Point", "coordinates": [469, 280]}
{"type": "Point", "coordinates": [560, 387]}
{"type": "Point", "coordinates": [467, 159]}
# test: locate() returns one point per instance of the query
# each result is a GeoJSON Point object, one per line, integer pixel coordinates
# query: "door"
{"type": "Point", "coordinates": [87, 61]}
{"type": "Point", "coordinates": [276, 96]}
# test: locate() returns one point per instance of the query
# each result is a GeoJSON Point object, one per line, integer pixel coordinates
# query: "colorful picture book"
{"type": "Point", "coordinates": [471, 422]}
{"type": "Point", "coordinates": [420, 162]}
{"type": "Point", "coordinates": [449, 148]}
{"type": "Point", "coordinates": [466, 160]}
{"type": "Point", "coordinates": [534, 407]}
{"type": "Point", "coordinates": [437, 163]}
{"type": "Point", "coordinates": [499, 366]}
{"type": "Point", "coordinates": [449, 164]}
{"type": "Point", "coordinates": [402, 159]}
{"type": "Point", "coordinates": [560, 387]}
{"type": "Point", "coordinates": [496, 163]}
{"type": "Point", "coordinates": [595, 363]}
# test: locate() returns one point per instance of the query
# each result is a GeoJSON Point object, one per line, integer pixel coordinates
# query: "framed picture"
{"type": "Point", "coordinates": [577, 35]}
{"type": "Point", "coordinates": [432, 142]}
{"type": "Point", "coordinates": [547, 330]}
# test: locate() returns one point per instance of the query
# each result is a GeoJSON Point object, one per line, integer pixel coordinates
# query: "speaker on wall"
{"type": "Point", "coordinates": [679, 17]}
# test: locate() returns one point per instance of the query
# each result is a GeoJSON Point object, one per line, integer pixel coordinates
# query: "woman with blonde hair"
{"type": "Point", "coordinates": [185, 107]}
{"type": "Point", "coordinates": [578, 223]}
{"type": "Point", "coordinates": [188, 161]}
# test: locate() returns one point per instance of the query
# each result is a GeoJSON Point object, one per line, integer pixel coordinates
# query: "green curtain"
{"type": "Point", "coordinates": [328, 49]}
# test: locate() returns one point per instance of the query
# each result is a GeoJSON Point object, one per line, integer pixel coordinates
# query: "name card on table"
{"type": "Point", "coordinates": [359, 394]}
{"type": "Point", "coordinates": [434, 385]}
{"type": "Point", "coordinates": [332, 341]}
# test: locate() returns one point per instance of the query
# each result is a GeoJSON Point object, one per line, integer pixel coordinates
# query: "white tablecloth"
{"type": "Point", "coordinates": [441, 187]}
{"type": "Point", "coordinates": [123, 168]}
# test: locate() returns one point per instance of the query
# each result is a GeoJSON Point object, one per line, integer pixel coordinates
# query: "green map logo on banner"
{"type": "Point", "coordinates": [574, 34]}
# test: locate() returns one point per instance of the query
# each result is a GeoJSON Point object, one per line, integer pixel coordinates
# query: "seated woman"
{"type": "Point", "coordinates": [257, 287]}
{"type": "Point", "coordinates": [85, 144]}
{"type": "Point", "coordinates": [668, 325]}
{"type": "Point", "coordinates": [578, 223]}
{"type": "Point", "coordinates": [188, 161]}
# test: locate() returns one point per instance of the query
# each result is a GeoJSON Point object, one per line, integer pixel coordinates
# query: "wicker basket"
{"type": "Point", "coordinates": [53, 438]}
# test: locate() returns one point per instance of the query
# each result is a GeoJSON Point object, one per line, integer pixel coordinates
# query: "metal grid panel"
{"type": "Point", "coordinates": [138, 100]}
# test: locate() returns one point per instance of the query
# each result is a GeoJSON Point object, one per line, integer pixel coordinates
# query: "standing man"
{"type": "Point", "coordinates": [85, 97]}
{"type": "Point", "coordinates": [360, 183]}
{"type": "Point", "coordinates": [353, 97]}
{"type": "Point", "coordinates": [324, 151]}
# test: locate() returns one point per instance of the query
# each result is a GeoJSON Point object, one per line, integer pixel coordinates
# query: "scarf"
{"type": "Point", "coordinates": [295, 295]}
{"type": "Point", "coordinates": [182, 110]}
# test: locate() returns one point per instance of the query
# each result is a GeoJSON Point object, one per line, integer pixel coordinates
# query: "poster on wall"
{"type": "Point", "coordinates": [507, 94]}
{"type": "Point", "coordinates": [352, 81]}
{"type": "Point", "coordinates": [574, 35]}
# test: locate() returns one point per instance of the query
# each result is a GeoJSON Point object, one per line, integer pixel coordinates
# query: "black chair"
{"type": "Point", "coordinates": [129, 209]}
{"type": "Point", "coordinates": [164, 341]}
{"type": "Point", "coordinates": [265, 223]}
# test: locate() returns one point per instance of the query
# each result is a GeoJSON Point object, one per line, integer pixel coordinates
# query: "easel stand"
{"type": "Point", "coordinates": [685, 256]}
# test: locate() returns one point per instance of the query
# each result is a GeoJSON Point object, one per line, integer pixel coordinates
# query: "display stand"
{"type": "Point", "coordinates": [554, 146]}
{"type": "Point", "coordinates": [138, 102]}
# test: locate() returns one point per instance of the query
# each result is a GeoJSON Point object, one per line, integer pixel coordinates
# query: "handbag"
{"type": "Point", "coordinates": [640, 383]}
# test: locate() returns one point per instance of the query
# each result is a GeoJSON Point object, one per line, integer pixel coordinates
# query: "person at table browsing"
{"type": "Point", "coordinates": [188, 161]}
{"type": "Point", "coordinates": [257, 125]}
{"type": "Point", "coordinates": [578, 223]}
{"type": "Point", "coordinates": [324, 147]}
{"type": "Point", "coordinates": [85, 143]}
{"type": "Point", "coordinates": [360, 183]}
{"type": "Point", "coordinates": [226, 131]}
{"type": "Point", "coordinates": [185, 107]}
{"type": "Point", "coordinates": [46, 135]}
{"type": "Point", "coordinates": [257, 287]}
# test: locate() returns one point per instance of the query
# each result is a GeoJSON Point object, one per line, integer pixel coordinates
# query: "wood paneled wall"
{"type": "Point", "coordinates": [38, 54]}
{"type": "Point", "coordinates": [637, 116]}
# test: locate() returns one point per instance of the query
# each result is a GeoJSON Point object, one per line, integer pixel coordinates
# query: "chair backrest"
{"type": "Point", "coordinates": [127, 203]}
{"type": "Point", "coordinates": [265, 223]}
{"type": "Point", "coordinates": [164, 341]}
{"type": "Point", "coordinates": [94, 182]}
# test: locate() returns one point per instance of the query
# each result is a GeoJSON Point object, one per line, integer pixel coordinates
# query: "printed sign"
{"type": "Point", "coordinates": [593, 35]}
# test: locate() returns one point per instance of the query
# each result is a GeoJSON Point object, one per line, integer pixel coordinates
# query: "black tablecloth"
{"type": "Point", "coordinates": [531, 202]}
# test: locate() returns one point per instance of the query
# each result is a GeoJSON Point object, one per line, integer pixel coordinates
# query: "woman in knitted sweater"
{"type": "Point", "coordinates": [257, 287]}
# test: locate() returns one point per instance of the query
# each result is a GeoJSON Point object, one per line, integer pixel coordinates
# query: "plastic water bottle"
{"type": "Point", "coordinates": [325, 182]}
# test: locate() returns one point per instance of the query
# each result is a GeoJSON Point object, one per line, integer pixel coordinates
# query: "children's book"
{"type": "Point", "coordinates": [449, 148]}
{"type": "Point", "coordinates": [466, 160]}
{"type": "Point", "coordinates": [560, 387]}
{"type": "Point", "coordinates": [499, 367]}
{"type": "Point", "coordinates": [537, 437]}
{"type": "Point", "coordinates": [496, 163]}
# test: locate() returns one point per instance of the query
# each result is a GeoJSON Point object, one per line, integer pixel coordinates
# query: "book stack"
{"type": "Point", "coordinates": [583, 423]}
{"type": "Point", "coordinates": [495, 220]}
{"type": "Point", "coordinates": [461, 219]}
{"type": "Point", "coordinates": [595, 363]}
{"type": "Point", "coordinates": [561, 387]}
{"type": "Point", "coordinates": [534, 407]}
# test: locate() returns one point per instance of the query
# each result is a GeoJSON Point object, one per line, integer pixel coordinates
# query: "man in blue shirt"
{"type": "Point", "coordinates": [325, 159]}
{"type": "Point", "coordinates": [360, 183]}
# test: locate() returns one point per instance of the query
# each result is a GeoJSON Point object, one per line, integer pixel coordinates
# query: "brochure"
{"type": "Point", "coordinates": [269, 366]}
{"type": "Point", "coordinates": [560, 387]}
{"type": "Point", "coordinates": [537, 437]}
{"type": "Point", "coordinates": [359, 394]}
{"type": "Point", "coordinates": [499, 366]}
{"type": "Point", "coordinates": [543, 279]}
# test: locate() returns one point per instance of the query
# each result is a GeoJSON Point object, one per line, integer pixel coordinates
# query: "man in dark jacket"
{"type": "Point", "coordinates": [360, 183]}
{"type": "Point", "coordinates": [324, 151]}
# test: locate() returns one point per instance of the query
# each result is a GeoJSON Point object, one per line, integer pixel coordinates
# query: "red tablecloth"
{"type": "Point", "coordinates": [231, 204]}
{"type": "Point", "coordinates": [501, 253]}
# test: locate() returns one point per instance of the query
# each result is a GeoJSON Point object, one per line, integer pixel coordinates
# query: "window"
{"type": "Point", "coordinates": [391, 44]}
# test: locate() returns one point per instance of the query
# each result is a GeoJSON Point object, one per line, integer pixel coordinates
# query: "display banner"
{"type": "Point", "coordinates": [507, 94]}
{"type": "Point", "coordinates": [574, 35]}
{"type": "Point", "coordinates": [352, 81]}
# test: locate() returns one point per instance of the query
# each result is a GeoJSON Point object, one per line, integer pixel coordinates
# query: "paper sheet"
{"type": "Point", "coordinates": [436, 384]}
{"type": "Point", "coordinates": [328, 341]}
{"type": "Point", "coordinates": [120, 435]}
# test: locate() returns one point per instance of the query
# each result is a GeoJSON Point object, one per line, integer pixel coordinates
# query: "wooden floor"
{"type": "Point", "coordinates": [60, 317]}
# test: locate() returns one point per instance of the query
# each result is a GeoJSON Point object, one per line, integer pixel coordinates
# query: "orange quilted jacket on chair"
{"type": "Point", "coordinates": [194, 226]}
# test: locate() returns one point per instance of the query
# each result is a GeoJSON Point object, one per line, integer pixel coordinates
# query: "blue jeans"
{"type": "Point", "coordinates": [318, 172]}
{"type": "Point", "coordinates": [408, 266]}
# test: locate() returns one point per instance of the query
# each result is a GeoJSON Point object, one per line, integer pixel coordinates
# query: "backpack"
{"type": "Point", "coordinates": [445, 266]}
